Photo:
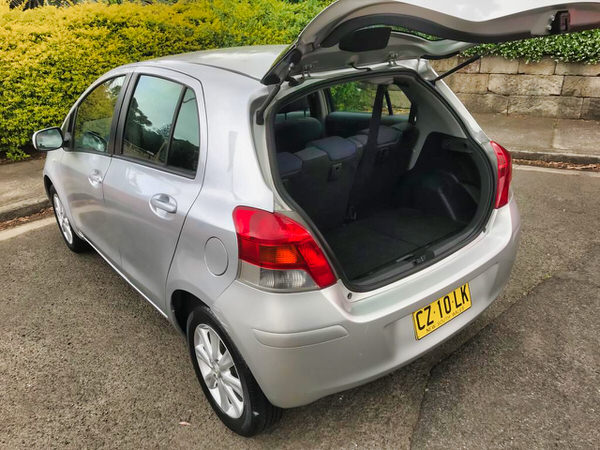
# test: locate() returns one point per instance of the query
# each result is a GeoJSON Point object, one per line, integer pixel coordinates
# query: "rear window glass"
{"type": "Point", "coordinates": [162, 125]}
{"type": "Point", "coordinates": [149, 119]}
{"type": "Point", "coordinates": [185, 146]}
{"type": "Point", "coordinates": [403, 30]}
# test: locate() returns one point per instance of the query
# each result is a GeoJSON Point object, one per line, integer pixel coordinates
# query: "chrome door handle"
{"type": "Point", "coordinates": [95, 178]}
{"type": "Point", "coordinates": [164, 202]}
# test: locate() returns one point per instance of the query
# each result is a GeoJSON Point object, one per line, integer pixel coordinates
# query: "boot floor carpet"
{"type": "Point", "coordinates": [383, 237]}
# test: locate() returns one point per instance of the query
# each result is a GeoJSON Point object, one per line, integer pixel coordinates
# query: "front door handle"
{"type": "Point", "coordinates": [95, 178]}
{"type": "Point", "coordinates": [164, 202]}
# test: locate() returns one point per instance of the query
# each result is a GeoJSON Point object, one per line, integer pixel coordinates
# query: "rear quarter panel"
{"type": "Point", "coordinates": [232, 177]}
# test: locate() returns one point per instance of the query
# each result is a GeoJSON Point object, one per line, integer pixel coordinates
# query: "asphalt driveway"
{"type": "Point", "coordinates": [85, 362]}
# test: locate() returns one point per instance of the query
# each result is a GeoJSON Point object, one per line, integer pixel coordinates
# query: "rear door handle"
{"type": "Point", "coordinates": [164, 202]}
{"type": "Point", "coordinates": [95, 178]}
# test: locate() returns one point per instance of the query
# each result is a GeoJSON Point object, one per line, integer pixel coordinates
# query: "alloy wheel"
{"type": "Point", "coordinates": [63, 221]}
{"type": "Point", "coordinates": [219, 371]}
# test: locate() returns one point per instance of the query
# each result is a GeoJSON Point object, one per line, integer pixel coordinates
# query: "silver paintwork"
{"type": "Point", "coordinates": [219, 371]}
{"type": "Point", "coordinates": [164, 232]}
{"type": "Point", "coordinates": [496, 18]}
{"type": "Point", "coordinates": [474, 21]}
{"type": "Point", "coordinates": [251, 61]}
{"type": "Point", "coordinates": [301, 335]}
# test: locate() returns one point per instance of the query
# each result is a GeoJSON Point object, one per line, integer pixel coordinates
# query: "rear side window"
{"type": "Point", "coordinates": [359, 97]}
{"type": "Point", "coordinates": [94, 117]}
{"type": "Point", "coordinates": [353, 97]}
{"type": "Point", "coordinates": [161, 126]}
{"type": "Point", "coordinates": [185, 146]}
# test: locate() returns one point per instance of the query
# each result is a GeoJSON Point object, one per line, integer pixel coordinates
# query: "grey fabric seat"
{"type": "Point", "coordinates": [322, 187]}
{"type": "Point", "coordinates": [293, 134]}
{"type": "Point", "coordinates": [289, 166]}
{"type": "Point", "coordinates": [390, 162]}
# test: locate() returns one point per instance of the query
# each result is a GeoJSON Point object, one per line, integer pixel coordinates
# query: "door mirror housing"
{"type": "Point", "coordinates": [93, 141]}
{"type": "Point", "coordinates": [48, 139]}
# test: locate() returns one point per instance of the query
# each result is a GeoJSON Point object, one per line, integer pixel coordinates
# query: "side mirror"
{"type": "Point", "coordinates": [93, 141]}
{"type": "Point", "coordinates": [48, 139]}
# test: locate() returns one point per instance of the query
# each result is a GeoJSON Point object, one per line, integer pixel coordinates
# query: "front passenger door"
{"type": "Point", "coordinates": [85, 164]}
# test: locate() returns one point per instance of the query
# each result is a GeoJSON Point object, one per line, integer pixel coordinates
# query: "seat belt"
{"type": "Point", "coordinates": [367, 161]}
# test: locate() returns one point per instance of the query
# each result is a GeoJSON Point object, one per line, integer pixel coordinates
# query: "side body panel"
{"type": "Point", "coordinates": [147, 235]}
{"type": "Point", "coordinates": [86, 199]}
{"type": "Point", "coordinates": [78, 179]}
{"type": "Point", "coordinates": [232, 177]}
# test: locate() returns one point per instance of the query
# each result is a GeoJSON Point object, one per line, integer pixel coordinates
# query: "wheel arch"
{"type": "Point", "coordinates": [182, 304]}
{"type": "Point", "coordinates": [47, 184]}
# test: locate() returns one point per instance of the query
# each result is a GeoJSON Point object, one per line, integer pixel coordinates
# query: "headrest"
{"type": "Point", "coordinates": [297, 105]}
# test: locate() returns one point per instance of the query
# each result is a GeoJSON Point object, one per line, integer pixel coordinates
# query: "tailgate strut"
{"type": "Point", "coordinates": [457, 68]}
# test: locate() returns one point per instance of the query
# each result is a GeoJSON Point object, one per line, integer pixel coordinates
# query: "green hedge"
{"type": "Point", "coordinates": [49, 55]}
{"type": "Point", "coordinates": [583, 47]}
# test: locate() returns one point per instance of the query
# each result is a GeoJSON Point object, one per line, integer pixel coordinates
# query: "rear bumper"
{"type": "Point", "coordinates": [301, 347]}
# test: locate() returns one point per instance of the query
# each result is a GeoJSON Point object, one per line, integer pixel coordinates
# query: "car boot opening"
{"type": "Point", "coordinates": [385, 173]}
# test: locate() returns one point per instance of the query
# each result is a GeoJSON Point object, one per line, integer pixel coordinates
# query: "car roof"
{"type": "Point", "coordinates": [251, 61]}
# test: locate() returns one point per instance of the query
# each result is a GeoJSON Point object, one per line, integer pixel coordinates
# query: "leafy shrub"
{"type": "Point", "coordinates": [49, 56]}
{"type": "Point", "coordinates": [353, 96]}
{"type": "Point", "coordinates": [583, 47]}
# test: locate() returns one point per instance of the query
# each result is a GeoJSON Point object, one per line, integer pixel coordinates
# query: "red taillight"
{"type": "Point", "coordinates": [504, 174]}
{"type": "Point", "coordinates": [274, 241]}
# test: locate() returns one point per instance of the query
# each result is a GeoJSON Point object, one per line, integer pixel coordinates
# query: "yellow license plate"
{"type": "Point", "coordinates": [443, 310]}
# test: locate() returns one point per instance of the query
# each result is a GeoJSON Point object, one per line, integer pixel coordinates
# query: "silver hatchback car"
{"type": "Point", "coordinates": [310, 217]}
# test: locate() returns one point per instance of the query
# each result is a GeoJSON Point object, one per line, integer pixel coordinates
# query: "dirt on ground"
{"type": "Point", "coordinates": [558, 165]}
{"type": "Point", "coordinates": [47, 212]}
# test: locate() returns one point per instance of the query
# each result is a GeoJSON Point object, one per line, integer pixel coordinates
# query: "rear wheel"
{"type": "Point", "coordinates": [225, 378]}
{"type": "Point", "coordinates": [74, 242]}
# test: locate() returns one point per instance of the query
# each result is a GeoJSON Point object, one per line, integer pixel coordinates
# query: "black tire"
{"type": "Point", "coordinates": [258, 413]}
{"type": "Point", "coordinates": [77, 245]}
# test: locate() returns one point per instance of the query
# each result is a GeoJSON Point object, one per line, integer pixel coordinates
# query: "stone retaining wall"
{"type": "Point", "coordinates": [545, 88]}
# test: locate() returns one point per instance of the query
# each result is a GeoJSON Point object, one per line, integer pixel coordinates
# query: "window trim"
{"type": "Point", "coordinates": [115, 118]}
{"type": "Point", "coordinates": [124, 109]}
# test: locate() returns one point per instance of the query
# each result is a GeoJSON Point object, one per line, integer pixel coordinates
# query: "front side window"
{"type": "Point", "coordinates": [162, 125]}
{"type": "Point", "coordinates": [95, 115]}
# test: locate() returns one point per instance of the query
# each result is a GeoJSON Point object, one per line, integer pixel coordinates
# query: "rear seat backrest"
{"type": "Point", "coordinates": [306, 186]}
{"type": "Point", "coordinates": [342, 161]}
{"type": "Point", "coordinates": [289, 166]}
{"type": "Point", "coordinates": [389, 163]}
{"type": "Point", "coordinates": [322, 187]}
{"type": "Point", "coordinates": [293, 134]}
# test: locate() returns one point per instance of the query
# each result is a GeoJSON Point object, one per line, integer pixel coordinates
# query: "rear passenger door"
{"type": "Point", "coordinates": [156, 174]}
{"type": "Point", "coordinates": [351, 106]}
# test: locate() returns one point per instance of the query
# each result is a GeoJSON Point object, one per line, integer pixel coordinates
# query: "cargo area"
{"type": "Point", "coordinates": [388, 188]}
